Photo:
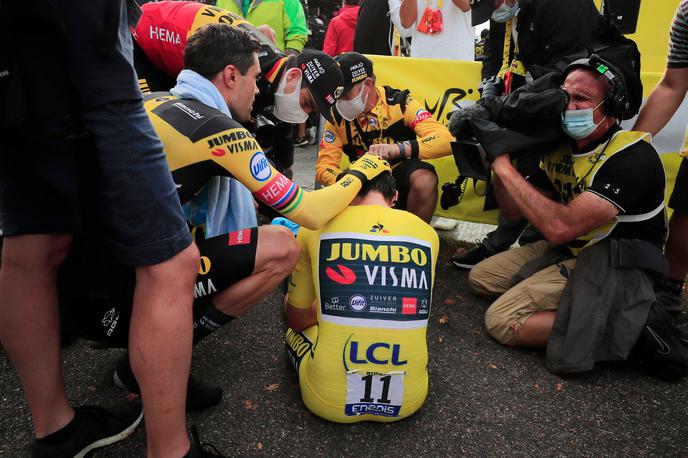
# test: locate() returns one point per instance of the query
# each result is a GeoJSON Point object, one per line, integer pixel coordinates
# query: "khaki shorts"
{"type": "Point", "coordinates": [537, 293]}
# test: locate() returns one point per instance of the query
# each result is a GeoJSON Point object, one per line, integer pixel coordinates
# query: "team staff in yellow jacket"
{"type": "Point", "coordinates": [389, 123]}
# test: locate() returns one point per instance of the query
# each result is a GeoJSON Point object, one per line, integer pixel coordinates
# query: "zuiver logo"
{"type": "Point", "coordinates": [342, 275]}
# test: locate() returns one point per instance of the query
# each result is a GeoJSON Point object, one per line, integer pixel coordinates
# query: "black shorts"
{"type": "Point", "coordinates": [679, 197]}
{"type": "Point", "coordinates": [402, 175]}
{"type": "Point", "coordinates": [96, 293]}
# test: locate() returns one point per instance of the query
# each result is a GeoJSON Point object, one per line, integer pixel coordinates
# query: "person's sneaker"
{"type": "Point", "coordinates": [199, 394]}
{"type": "Point", "coordinates": [200, 450]}
{"type": "Point", "coordinates": [469, 258]}
{"type": "Point", "coordinates": [301, 141]}
{"type": "Point", "coordinates": [670, 301]}
{"type": "Point", "coordinates": [92, 427]}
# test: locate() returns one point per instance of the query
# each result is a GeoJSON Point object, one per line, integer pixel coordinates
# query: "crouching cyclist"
{"type": "Point", "coordinates": [200, 141]}
{"type": "Point", "coordinates": [360, 348]}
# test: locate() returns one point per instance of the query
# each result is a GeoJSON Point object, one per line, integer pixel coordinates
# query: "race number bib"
{"type": "Point", "coordinates": [374, 393]}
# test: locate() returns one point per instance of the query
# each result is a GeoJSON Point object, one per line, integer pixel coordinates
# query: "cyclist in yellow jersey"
{"type": "Point", "coordinates": [200, 141]}
{"type": "Point", "coordinates": [360, 349]}
{"type": "Point", "coordinates": [389, 123]}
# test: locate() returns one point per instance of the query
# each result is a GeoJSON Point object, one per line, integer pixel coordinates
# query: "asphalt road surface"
{"type": "Point", "coordinates": [484, 399]}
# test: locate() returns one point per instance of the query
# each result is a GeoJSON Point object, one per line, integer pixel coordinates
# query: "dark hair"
{"type": "Point", "coordinates": [214, 46]}
{"type": "Point", "coordinates": [351, 2]}
{"type": "Point", "coordinates": [383, 183]}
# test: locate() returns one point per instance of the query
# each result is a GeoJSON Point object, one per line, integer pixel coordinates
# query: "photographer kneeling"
{"type": "Point", "coordinates": [609, 213]}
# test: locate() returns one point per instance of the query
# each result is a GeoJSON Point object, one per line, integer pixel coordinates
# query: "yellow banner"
{"type": "Point", "coordinates": [445, 85]}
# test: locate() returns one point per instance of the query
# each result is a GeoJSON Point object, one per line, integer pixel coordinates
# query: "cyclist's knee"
{"type": "Point", "coordinates": [279, 249]}
{"type": "Point", "coordinates": [423, 179]}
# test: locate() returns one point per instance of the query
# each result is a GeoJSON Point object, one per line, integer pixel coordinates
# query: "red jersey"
{"type": "Point", "coordinates": [164, 28]}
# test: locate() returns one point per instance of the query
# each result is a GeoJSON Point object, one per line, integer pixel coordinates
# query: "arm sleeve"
{"type": "Point", "coordinates": [301, 288]}
{"type": "Point", "coordinates": [394, 6]}
{"type": "Point", "coordinates": [329, 156]}
{"type": "Point", "coordinates": [330, 43]}
{"type": "Point", "coordinates": [241, 156]}
{"type": "Point", "coordinates": [432, 138]}
{"type": "Point", "coordinates": [296, 30]}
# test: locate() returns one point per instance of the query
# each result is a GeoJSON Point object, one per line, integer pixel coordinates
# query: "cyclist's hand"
{"type": "Point", "coordinates": [368, 167]}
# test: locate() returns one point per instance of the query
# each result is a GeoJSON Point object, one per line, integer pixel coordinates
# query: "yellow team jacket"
{"type": "Point", "coordinates": [396, 117]}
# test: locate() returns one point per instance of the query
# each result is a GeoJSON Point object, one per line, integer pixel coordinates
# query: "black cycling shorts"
{"type": "Point", "coordinates": [679, 197]}
{"type": "Point", "coordinates": [96, 293]}
{"type": "Point", "coordinates": [402, 175]}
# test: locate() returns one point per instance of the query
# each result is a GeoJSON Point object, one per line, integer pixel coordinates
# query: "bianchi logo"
{"type": "Point", "coordinates": [341, 274]}
{"type": "Point", "coordinates": [357, 302]}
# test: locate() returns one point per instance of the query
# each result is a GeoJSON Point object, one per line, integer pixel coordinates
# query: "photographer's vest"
{"type": "Point", "coordinates": [571, 174]}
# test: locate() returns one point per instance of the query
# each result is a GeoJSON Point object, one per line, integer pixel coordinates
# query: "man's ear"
{"type": "Point", "coordinates": [293, 74]}
{"type": "Point", "coordinates": [229, 75]}
{"type": "Point", "coordinates": [395, 198]}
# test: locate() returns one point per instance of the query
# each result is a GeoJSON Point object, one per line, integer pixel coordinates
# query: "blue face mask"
{"type": "Point", "coordinates": [579, 124]}
{"type": "Point", "coordinates": [505, 12]}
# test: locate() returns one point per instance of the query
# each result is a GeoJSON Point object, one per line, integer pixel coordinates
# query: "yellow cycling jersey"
{"type": "Point", "coordinates": [372, 271]}
{"type": "Point", "coordinates": [200, 142]}
{"type": "Point", "coordinates": [396, 117]}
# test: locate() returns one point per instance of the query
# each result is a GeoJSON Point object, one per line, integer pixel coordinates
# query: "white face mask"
{"type": "Point", "coordinates": [351, 109]}
{"type": "Point", "coordinates": [288, 106]}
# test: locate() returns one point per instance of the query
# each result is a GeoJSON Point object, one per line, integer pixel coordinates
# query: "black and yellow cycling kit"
{"type": "Point", "coordinates": [396, 117]}
{"type": "Point", "coordinates": [200, 142]}
{"type": "Point", "coordinates": [372, 270]}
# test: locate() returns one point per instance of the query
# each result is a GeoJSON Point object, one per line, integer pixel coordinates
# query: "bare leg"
{"type": "Point", "coordinates": [301, 130]}
{"type": "Point", "coordinates": [160, 348]}
{"type": "Point", "coordinates": [422, 197]}
{"type": "Point", "coordinates": [535, 331]}
{"type": "Point", "coordinates": [30, 324]}
{"type": "Point", "coordinates": [276, 256]}
{"type": "Point", "coordinates": [677, 246]}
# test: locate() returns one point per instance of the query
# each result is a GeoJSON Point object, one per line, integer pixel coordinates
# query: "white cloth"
{"type": "Point", "coordinates": [394, 6]}
{"type": "Point", "coordinates": [455, 41]}
{"type": "Point", "coordinates": [230, 203]}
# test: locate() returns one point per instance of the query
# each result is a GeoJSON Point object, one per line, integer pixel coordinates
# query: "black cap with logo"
{"type": "Point", "coordinates": [321, 75]}
{"type": "Point", "coordinates": [355, 68]}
